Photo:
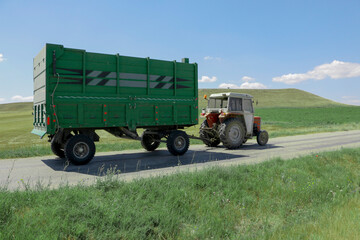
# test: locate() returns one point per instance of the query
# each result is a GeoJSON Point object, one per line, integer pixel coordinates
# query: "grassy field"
{"type": "Point", "coordinates": [313, 197]}
{"type": "Point", "coordinates": [295, 121]}
{"type": "Point", "coordinates": [284, 112]}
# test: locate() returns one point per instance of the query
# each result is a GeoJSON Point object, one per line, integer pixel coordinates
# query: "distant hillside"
{"type": "Point", "coordinates": [16, 107]}
{"type": "Point", "coordinates": [276, 97]}
{"type": "Point", "coordinates": [264, 97]}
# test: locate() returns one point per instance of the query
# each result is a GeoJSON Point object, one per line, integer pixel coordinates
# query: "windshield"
{"type": "Point", "coordinates": [217, 103]}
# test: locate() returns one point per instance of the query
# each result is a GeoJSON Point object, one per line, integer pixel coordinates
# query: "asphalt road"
{"type": "Point", "coordinates": [53, 172]}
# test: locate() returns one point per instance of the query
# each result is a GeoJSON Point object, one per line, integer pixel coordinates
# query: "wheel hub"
{"type": "Point", "coordinates": [81, 150]}
{"type": "Point", "coordinates": [235, 133]}
{"type": "Point", "coordinates": [180, 143]}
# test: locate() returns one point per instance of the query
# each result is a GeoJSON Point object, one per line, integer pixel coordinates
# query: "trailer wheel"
{"type": "Point", "coordinates": [178, 143]}
{"type": "Point", "coordinates": [80, 149]}
{"type": "Point", "coordinates": [148, 141]}
{"type": "Point", "coordinates": [262, 138]}
{"type": "Point", "coordinates": [232, 133]}
{"type": "Point", "coordinates": [211, 141]}
{"type": "Point", "coordinates": [56, 149]}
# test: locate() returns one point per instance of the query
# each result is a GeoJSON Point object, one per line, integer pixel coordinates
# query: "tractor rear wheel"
{"type": "Point", "coordinates": [232, 133]}
{"type": "Point", "coordinates": [262, 138]}
{"type": "Point", "coordinates": [80, 149]}
{"type": "Point", "coordinates": [178, 143]}
{"type": "Point", "coordinates": [148, 141]}
{"type": "Point", "coordinates": [209, 138]}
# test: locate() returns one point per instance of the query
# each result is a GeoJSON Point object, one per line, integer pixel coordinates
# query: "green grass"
{"type": "Point", "coordinates": [312, 197]}
{"type": "Point", "coordinates": [295, 121]}
{"type": "Point", "coordinates": [284, 112]}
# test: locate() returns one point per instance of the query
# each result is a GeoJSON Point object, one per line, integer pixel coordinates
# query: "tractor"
{"type": "Point", "coordinates": [230, 120]}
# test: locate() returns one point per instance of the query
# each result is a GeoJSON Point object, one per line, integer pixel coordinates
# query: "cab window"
{"type": "Point", "coordinates": [235, 104]}
{"type": "Point", "coordinates": [217, 103]}
{"type": "Point", "coordinates": [248, 105]}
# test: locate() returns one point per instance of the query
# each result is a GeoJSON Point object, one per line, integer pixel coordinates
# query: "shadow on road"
{"type": "Point", "coordinates": [133, 162]}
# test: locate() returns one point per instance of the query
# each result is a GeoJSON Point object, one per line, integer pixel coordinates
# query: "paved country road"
{"type": "Point", "coordinates": [48, 170]}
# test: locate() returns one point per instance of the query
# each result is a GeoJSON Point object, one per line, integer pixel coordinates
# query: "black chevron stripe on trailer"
{"type": "Point", "coordinates": [102, 82]}
{"type": "Point", "coordinates": [171, 80]}
{"type": "Point", "coordinates": [88, 72]}
{"type": "Point", "coordinates": [159, 79]}
{"type": "Point", "coordinates": [100, 76]}
{"type": "Point", "coordinates": [87, 80]}
{"type": "Point", "coordinates": [160, 85]}
{"type": "Point", "coordinates": [178, 86]}
{"type": "Point", "coordinates": [182, 80]}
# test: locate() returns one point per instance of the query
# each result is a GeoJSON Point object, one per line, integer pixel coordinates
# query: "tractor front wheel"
{"type": "Point", "coordinates": [262, 138]}
{"type": "Point", "coordinates": [232, 133]}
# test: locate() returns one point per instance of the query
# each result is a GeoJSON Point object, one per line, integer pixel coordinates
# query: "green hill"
{"type": "Point", "coordinates": [16, 107]}
{"type": "Point", "coordinates": [276, 97]}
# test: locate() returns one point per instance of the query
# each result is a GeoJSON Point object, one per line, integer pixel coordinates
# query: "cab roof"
{"type": "Point", "coordinates": [230, 94]}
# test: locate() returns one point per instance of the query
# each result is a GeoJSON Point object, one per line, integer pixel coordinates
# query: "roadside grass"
{"type": "Point", "coordinates": [338, 222]}
{"type": "Point", "coordinates": [284, 112]}
{"type": "Point", "coordinates": [312, 197]}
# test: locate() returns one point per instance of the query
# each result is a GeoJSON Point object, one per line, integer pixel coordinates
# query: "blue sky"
{"type": "Point", "coordinates": [309, 45]}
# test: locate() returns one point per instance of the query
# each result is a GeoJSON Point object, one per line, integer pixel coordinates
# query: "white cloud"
{"type": "Point", "coordinates": [245, 85]}
{"type": "Point", "coordinates": [19, 98]}
{"type": "Point", "coordinates": [351, 100]}
{"type": "Point", "coordinates": [207, 79]}
{"type": "Point", "coordinates": [335, 70]}
{"type": "Point", "coordinates": [228, 85]}
{"type": "Point", "coordinates": [248, 79]}
{"type": "Point", "coordinates": [1, 57]}
{"type": "Point", "coordinates": [207, 58]}
{"type": "Point", "coordinates": [254, 85]}
{"type": "Point", "coordinates": [2, 99]}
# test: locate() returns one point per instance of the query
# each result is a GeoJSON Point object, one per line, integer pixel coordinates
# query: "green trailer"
{"type": "Point", "coordinates": [78, 92]}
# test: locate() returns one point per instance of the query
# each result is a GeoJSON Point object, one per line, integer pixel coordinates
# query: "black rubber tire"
{"type": "Point", "coordinates": [203, 134]}
{"type": "Point", "coordinates": [80, 149]}
{"type": "Point", "coordinates": [147, 141]}
{"type": "Point", "coordinates": [236, 138]}
{"type": "Point", "coordinates": [56, 149]}
{"type": "Point", "coordinates": [178, 143]}
{"type": "Point", "coordinates": [262, 138]}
